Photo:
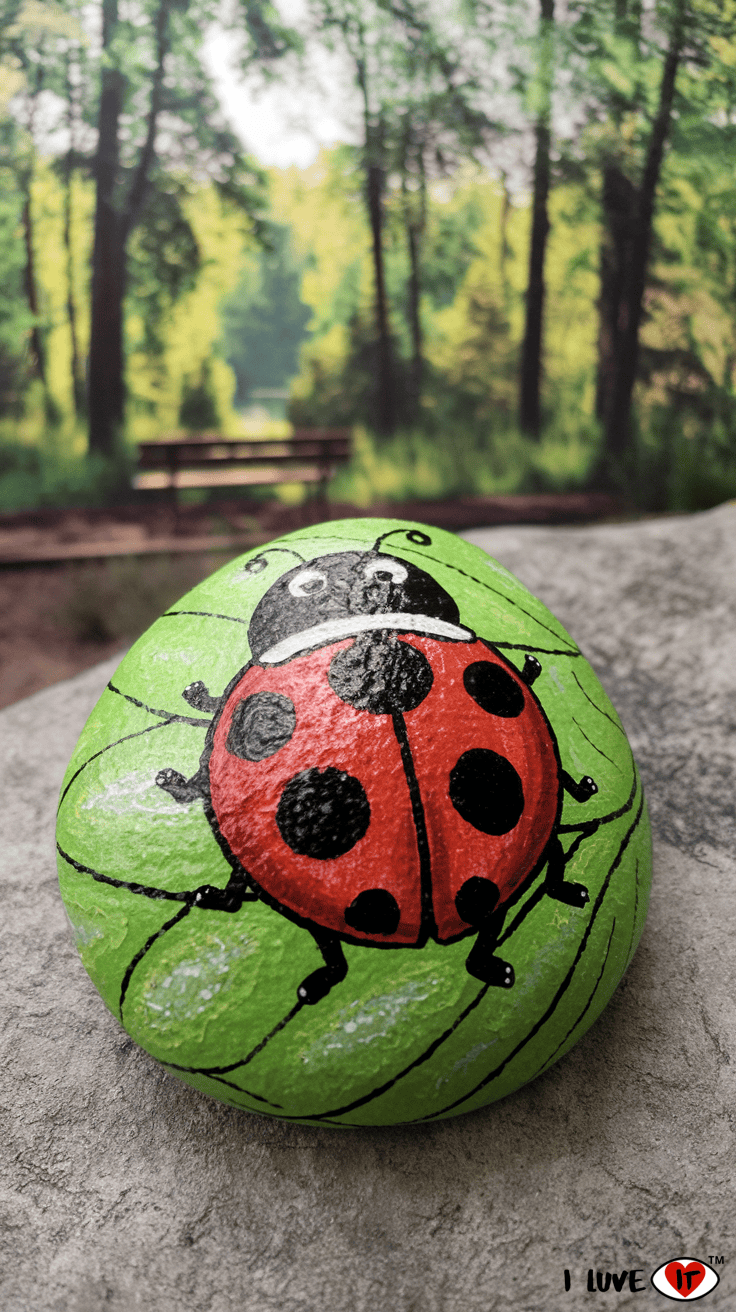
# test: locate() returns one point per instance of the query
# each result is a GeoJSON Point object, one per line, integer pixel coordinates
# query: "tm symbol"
{"type": "Point", "coordinates": [716, 1261]}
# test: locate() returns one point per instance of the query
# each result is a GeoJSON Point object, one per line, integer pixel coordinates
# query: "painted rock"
{"type": "Point", "coordinates": [354, 836]}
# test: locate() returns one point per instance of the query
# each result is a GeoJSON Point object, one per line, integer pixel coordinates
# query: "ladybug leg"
{"type": "Point", "coordinates": [181, 789]}
{"type": "Point", "coordinates": [531, 671]}
{"type": "Point", "coordinates": [231, 898]}
{"type": "Point", "coordinates": [317, 985]}
{"type": "Point", "coordinates": [199, 697]}
{"type": "Point", "coordinates": [574, 895]}
{"type": "Point", "coordinates": [476, 904]}
{"type": "Point", "coordinates": [481, 962]}
{"type": "Point", "coordinates": [581, 792]}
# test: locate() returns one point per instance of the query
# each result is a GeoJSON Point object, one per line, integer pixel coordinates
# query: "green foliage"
{"type": "Point", "coordinates": [339, 389]}
{"type": "Point", "coordinates": [264, 318]}
{"type": "Point", "coordinates": [164, 261]}
{"type": "Point", "coordinates": [450, 248]}
{"type": "Point", "coordinates": [222, 298]}
{"type": "Point", "coordinates": [472, 309]}
{"type": "Point", "coordinates": [681, 464]}
{"type": "Point", "coordinates": [41, 475]}
{"type": "Point", "coordinates": [199, 411]}
{"type": "Point", "coordinates": [15, 319]}
{"type": "Point", "coordinates": [456, 460]}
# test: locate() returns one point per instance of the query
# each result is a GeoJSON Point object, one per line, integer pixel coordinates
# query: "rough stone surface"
{"type": "Point", "coordinates": [123, 1189]}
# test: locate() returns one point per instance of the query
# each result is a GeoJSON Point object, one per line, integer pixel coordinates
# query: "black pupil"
{"type": "Point", "coordinates": [383, 575]}
{"type": "Point", "coordinates": [313, 585]}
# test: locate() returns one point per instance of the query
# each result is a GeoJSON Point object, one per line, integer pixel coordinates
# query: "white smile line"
{"type": "Point", "coordinates": [333, 630]}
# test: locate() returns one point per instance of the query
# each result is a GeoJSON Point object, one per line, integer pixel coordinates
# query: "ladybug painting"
{"type": "Point", "coordinates": [378, 773]}
{"type": "Point", "coordinates": [330, 842]}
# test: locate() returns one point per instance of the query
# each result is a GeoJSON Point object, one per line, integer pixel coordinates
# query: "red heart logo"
{"type": "Point", "coordinates": [685, 1279]}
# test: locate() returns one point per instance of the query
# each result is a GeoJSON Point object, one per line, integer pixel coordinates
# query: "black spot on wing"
{"type": "Point", "coordinates": [383, 676]}
{"type": "Point", "coordinates": [374, 911]}
{"type": "Point", "coordinates": [323, 813]}
{"type": "Point", "coordinates": [494, 689]}
{"type": "Point", "coordinates": [476, 900]}
{"type": "Point", "coordinates": [261, 725]}
{"type": "Point", "coordinates": [486, 791]}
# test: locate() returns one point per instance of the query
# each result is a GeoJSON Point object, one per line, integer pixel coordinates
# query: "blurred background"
{"type": "Point", "coordinates": [495, 240]}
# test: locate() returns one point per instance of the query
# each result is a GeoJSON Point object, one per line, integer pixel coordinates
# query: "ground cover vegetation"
{"type": "Point", "coordinates": [522, 276]}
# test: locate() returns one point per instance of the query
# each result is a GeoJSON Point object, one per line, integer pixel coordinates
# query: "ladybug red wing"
{"type": "Point", "coordinates": [312, 798]}
{"type": "Point", "coordinates": [488, 773]}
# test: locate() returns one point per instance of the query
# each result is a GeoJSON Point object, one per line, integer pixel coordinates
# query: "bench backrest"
{"type": "Point", "coordinates": [319, 445]}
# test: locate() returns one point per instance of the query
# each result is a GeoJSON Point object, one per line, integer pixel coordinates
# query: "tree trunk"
{"type": "Point", "coordinates": [504, 249]}
{"type": "Point", "coordinates": [530, 414]}
{"type": "Point", "coordinates": [619, 199]}
{"type": "Point", "coordinates": [30, 281]}
{"type": "Point", "coordinates": [386, 407]}
{"type": "Point", "coordinates": [106, 394]}
{"type": "Point", "coordinates": [414, 225]}
{"type": "Point", "coordinates": [618, 419]}
{"type": "Point", "coordinates": [415, 322]}
{"type": "Point", "coordinates": [374, 183]}
{"type": "Point", "coordinates": [113, 225]}
{"type": "Point", "coordinates": [38, 357]}
{"type": "Point", "coordinates": [78, 389]}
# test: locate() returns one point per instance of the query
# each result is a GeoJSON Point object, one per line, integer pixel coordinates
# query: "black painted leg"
{"type": "Point", "coordinates": [198, 696]}
{"type": "Point", "coordinates": [531, 671]}
{"type": "Point", "coordinates": [317, 985]}
{"type": "Point", "coordinates": [483, 964]}
{"type": "Point", "coordinates": [573, 895]}
{"type": "Point", "coordinates": [581, 792]}
{"type": "Point", "coordinates": [476, 904]}
{"type": "Point", "coordinates": [231, 898]}
{"type": "Point", "coordinates": [181, 789]}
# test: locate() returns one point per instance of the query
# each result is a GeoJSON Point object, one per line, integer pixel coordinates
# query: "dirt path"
{"type": "Point", "coordinates": [56, 621]}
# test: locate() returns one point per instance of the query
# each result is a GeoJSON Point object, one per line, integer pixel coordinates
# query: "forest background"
{"type": "Point", "coordinates": [517, 274]}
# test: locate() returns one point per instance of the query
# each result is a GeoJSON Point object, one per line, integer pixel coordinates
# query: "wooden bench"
{"type": "Point", "coordinates": [309, 455]}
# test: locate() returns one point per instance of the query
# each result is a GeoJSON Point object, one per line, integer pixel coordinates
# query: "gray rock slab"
{"type": "Point", "coordinates": [123, 1189]}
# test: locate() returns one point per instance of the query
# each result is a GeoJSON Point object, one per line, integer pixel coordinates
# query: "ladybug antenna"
{"type": "Point", "coordinates": [257, 564]}
{"type": "Point", "coordinates": [413, 535]}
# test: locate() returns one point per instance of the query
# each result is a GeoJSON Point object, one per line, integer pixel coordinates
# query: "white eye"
{"type": "Point", "coordinates": [307, 583]}
{"type": "Point", "coordinates": [386, 571]}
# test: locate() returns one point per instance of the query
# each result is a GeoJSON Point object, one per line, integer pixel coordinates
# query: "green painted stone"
{"type": "Point", "coordinates": [407, 1011]}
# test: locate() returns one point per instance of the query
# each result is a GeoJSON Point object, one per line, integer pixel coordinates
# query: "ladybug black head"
{"type": "Point", "coordinates": [346, 593]}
